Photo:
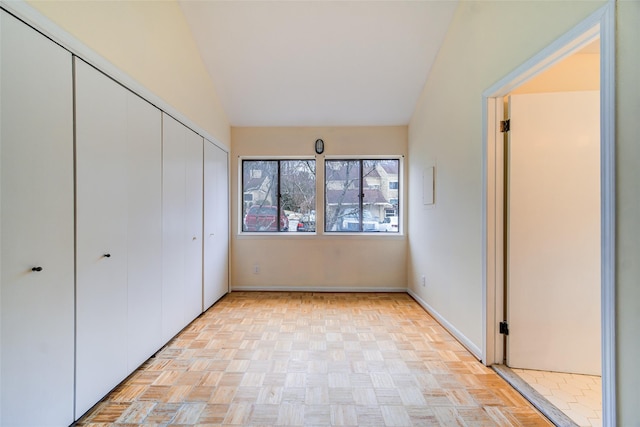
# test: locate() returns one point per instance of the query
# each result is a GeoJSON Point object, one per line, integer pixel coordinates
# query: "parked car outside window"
{"type": "Point", "coordinates": [390, 223]}
{"type": "Point", "coordinates": [264, 218]}
{"type": "Point", "coordinates": [351, 222]}
{"type": "Point", "coordinates": [307, 223]}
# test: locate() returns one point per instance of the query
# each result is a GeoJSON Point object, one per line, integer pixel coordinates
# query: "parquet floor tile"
{"type": "Point", "coordinates": [314, 359]}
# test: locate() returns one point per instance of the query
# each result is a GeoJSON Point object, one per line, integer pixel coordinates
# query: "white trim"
{"type": "Point", "coordinates": [459, 336]}
{"type": "Point", "coordinates": [492, 233]}
{"type": "Point", "coordinates": [365, 157]}
{"type": "Point", "coordinates": [602, 23]}
{"type": "Point", "coordinates": [274, 158]}
{"type": "Point", "coordinates": [608, 221]}
{"type": "Point", "coordinates": [44, 25]}
{"type": "Point", "coordinates": [248, 288]}
{"type": "Point", "coordinates": [570, 42]}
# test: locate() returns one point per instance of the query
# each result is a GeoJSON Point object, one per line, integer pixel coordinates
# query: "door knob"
{"type": "Point", "coordinates": [36, 269]}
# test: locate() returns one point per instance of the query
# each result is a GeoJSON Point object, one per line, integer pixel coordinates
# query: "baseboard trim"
{"type": "Point", "coordinates": [315, 289]}
{"type": "Point", "coordinates": [462, 339]}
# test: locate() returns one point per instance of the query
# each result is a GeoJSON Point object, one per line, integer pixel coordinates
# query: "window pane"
{"type": "Point", "coordinates": [342, 199]}
{"type": "Point", "coordinates": [361, 195]}
{"type": "Point", "coordinates": [380, 203]}
{"type": "Point", "coordinates": [260, 190]}
{"type": "Point", "coordinates": [298, 192]}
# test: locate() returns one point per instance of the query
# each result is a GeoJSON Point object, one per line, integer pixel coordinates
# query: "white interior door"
{"type": "Point", "coordinates": [36, 224]}
{"type": "Point", "coordinates": [101, 242]}
{"type": "Point", "coordinates": [553, 275]}
{"type": "Point", "coordinates": [216, 224]}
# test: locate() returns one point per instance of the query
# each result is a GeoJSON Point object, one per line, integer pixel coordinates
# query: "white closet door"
{"type": "Point", "coordinates": [216, 224]}
{"type": "Point", "coordinates": [182, 226]}
{"type": "Point", "coordinates": [173, 226]}
{"type": "Point", "coordinates": [36, 223]}
{"type": "Point", "coordinates": [144, 233]}
{"type": "Point", "coordinates": [193, 226]}
{"type": "Point", "coordinates": [101, 243]}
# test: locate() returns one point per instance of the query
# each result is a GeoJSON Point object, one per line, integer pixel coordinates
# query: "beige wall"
{"type": "Point", "coordinates": [149, 41]}
{"type": "Point", "coordinates": [491, 39]}
{"type": "Point", "coordinates": [485, 42]}
{"type": "Point", "coordinates": [323, 261]}
{"type": "Point", "coordinates": [628, 211]}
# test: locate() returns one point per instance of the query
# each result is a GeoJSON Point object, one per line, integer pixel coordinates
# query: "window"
{"type": "Point", "coordinates": [277, 193]}
{"type": "Point", "coordinates": [359, 195]}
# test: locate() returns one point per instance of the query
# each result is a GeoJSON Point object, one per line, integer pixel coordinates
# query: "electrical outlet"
{"type": "Point", "coordinates": [256, 269]}
{"type": "Point", "coordinates": [424, 281]}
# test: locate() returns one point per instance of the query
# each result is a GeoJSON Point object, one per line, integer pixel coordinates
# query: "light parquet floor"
{"type": "Point", "coordinates": [314, 359]}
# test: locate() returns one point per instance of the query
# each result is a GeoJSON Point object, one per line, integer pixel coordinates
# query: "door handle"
{"type": "Point", "coordinates": [36, 269]}
{"type": "Point", "coordinates": [107, 255]}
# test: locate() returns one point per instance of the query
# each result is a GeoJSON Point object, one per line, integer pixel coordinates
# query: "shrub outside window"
{"type": "Point", "coordinates": [277, 194]}
{"type": "Point", "coordinates": [360, 196]}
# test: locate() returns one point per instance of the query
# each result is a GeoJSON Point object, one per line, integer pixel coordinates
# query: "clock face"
{"type": "Point", "coordinates": [319, 146]}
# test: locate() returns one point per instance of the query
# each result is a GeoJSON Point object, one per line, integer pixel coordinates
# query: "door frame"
{"type": "Point", "coordinates": [600, 24]}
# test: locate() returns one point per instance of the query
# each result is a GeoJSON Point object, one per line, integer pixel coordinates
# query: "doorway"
{"type": "Point", "coordinates": [552, 291]}
{"type": "Point", "coordinates": [597, 30]}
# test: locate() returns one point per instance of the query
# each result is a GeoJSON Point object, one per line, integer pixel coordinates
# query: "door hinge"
{"type": "Point", "coordinates": [505, 125]}
{"type": "Point", "coordinates": [504, 328]}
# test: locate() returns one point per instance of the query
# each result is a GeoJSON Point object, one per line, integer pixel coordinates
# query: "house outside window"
{"type": "Point", "coordinates": [359, 195]}
{"type": "Point", "coordinates": [276, 193]}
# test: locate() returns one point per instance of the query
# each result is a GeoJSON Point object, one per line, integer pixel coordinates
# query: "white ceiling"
{"type": "Point", "coordinates": [318, 63]}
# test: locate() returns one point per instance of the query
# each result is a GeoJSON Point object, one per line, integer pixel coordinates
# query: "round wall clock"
{"type": "Point", "coordinates": [319, 146]}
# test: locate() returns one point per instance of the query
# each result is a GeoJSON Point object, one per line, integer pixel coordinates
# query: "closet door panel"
{"type": "Point", "coordinates": [36, 224]}
{"type": "Point", "coordinates": [193, 225]}
{"type": "Point", "coordinates": [216, 224]}
{"type": "Point", "coordinates": [173, 227]}
{"type": "Point", "coordinates": [144, 233]}
{"type": "Point", "coordinates": [101, 243]}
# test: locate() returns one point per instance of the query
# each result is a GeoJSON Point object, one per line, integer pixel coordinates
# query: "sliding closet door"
{"type": "Point", "coordinates": [144, 231]}
{"type": "Point", "coordinates": [216, 224]}
{"type": "Point", "coordinates": [173, 240]}
{"type": "Point", "coordinates": [182, 226]}
{"type": "Point", "coordinates": [193, 226]}
{"type": "Point", "coordinates": [101, 241]}
{"type": "Point", "coordinates": [36, 224]}
{"type": "Point", "coordinates": [119, 233]}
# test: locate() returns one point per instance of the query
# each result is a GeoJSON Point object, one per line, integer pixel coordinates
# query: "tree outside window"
{"type": "Point", "coordinates": [277, 193]}
{"type": "Point", "coordinates": [360, 196]}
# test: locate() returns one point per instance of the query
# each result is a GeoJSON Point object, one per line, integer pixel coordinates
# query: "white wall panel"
{"type": "Point", "coordinates": [36, 225]}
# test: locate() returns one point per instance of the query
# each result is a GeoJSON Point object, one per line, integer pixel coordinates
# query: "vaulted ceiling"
{"type": "Point", "coordinates": [318, 63]}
